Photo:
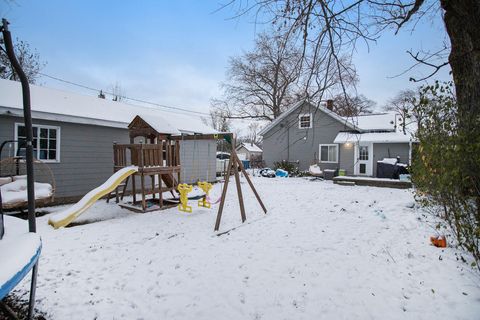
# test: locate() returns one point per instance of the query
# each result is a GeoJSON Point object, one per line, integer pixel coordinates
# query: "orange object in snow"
{"type": "Point", "coordinates": [439, 241]}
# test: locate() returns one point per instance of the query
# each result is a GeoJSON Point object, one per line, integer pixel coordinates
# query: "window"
{"type": "Point", "coordinates": [363, 168]}
{"type": "Point", "coordinates": [328, 153]}
{"type": "Point", "coordinates": [363, 153]}
{"type": "Point", "coordinates": [305, 121]}
{"type": "Point", "coordinates": [46, 142]}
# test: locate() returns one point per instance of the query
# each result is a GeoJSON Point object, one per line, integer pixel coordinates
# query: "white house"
{"type": "Point", "coordinates": [249, 151]}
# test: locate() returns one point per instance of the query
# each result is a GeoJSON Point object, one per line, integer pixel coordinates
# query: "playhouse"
{"type": "Point", "coordinates": [158, 166]}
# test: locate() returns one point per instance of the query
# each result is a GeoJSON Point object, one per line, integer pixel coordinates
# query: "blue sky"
{"type": "Point", "coordinates": [176, 52]}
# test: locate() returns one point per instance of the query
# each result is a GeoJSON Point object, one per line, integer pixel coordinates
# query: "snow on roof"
{"type": "Point", "coordinates": [377, 137]}
{"type": "Point", "coordinates": [159, 124]}
{"type": "Point", "coordinates": [57, 105]}
{"type": "Point", "coordinates": [381, 121]}
{"type": "Point", "coordinates": [250, 147]}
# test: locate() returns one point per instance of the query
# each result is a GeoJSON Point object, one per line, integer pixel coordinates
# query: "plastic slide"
{"type": "Point", "coordinates": [63, 218]}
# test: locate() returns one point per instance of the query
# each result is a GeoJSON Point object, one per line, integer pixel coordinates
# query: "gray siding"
{"type": "Point", "coordinates": [86, 155]}
{"type": "Point", "coordinates": [286, 141]}
{"type": "Point", "coordinates": [389, 150]}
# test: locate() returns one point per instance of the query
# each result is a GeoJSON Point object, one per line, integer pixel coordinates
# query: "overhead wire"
{"type": "Point", "coordinates": [123, 96]}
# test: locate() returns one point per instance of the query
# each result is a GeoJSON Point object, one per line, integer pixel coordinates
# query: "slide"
{"type": "Point", "coordinates": [63, 218]}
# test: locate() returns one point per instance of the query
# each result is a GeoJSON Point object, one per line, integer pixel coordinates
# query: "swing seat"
{"type": "Point", "coordinates": [184, 189]}
{"type": "Point", "coordinates": [185, 208]}
{"type": "Point", "coordinates": [204, 203]}
{"type": "Point", "coordinates": [206, 187]}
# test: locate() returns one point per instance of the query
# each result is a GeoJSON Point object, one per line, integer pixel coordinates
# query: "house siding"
{"type": "Point", "coordinates": [389, 150]}
{"type": "Point", "coordinates": [286, 141]}
{"type": "Point", "coordinates": [86, 156]}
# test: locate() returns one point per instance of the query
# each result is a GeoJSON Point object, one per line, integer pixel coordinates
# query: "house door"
{"type": "Point", "coordinates": [364, 159]}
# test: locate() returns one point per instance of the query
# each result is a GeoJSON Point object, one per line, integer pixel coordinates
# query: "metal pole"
{"type": "Point", "coordinates": [28, 124]}
{"type": "Point", "coordinates": [29, 151]}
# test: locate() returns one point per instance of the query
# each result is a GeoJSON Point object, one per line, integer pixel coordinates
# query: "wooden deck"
{"type": "Point", "coordinates": [372, 182]}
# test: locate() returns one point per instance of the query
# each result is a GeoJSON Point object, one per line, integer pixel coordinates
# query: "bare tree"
{"type": "Point", "coordinates": [28, 58]}
{"type": "Point", "coordinates": [263, 83]}
{"type": "Point", "coordinates": [218, 118]}
{"type": "Point", "coordinates": [330, 29]}
{"type": "Point", "coordinates": [348, 106]}
{"type": "Point", "coordinates": [253, 129]}
{"type": "Point", "coordinates": [403, 104]}
{"type": "Point", "coordinates": [118, 93]}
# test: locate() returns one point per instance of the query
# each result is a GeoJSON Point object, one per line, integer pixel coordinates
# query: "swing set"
{"type": "Point", "coordinates": [158, 167]}
{"type": "Point", "coordinates": [234, 167]}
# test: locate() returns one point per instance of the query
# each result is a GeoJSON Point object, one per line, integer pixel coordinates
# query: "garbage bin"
{"type": "Point", "coordinates": [329, 174]}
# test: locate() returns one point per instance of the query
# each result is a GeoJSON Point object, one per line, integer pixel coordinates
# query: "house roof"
{"type": "Point", "coordinates": [368, 122]}
{"type": "Point", "coordinates": [297, 105]}
{"type": "Point", "coordinates": [58, 105]}
{"type": "Point", "coordinates": [380, 121]}
{"type": "Point", "coordinates": [154, 124]}
{"type": "Point", "coordinates": [377, 137]}
{"type": "Point", "coordinates": [250, 147]}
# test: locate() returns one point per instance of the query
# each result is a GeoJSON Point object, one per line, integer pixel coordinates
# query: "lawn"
{"type": "Point", "coordinates": [322, 252]}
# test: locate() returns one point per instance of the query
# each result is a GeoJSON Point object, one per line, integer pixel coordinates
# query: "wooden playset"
{"type": "Point", "coordinates": [159, 171]}
{"type": "Point", "coordinates": [158, 160]}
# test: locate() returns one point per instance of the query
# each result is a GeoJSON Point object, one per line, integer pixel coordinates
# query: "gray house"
{"type": "Point", "coordinates": [74, 135]}
{"type": "Point", "coordinates": [307, 134]}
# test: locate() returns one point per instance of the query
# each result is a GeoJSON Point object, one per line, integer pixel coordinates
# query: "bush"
{"type": "Point", "coordinates": [446, 165]}
{"type": "Point", "coordinates": [290, 167]}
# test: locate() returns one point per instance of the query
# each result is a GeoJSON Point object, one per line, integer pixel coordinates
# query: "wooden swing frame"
{"type": "Point", "coordinates": [235, 166]}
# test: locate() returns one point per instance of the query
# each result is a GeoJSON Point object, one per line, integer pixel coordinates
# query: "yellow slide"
{"type": "Point", "coordinates": [63, 218]}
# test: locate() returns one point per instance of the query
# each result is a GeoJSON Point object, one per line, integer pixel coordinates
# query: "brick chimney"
{"type": "Point", "coordinates": [330, 105]}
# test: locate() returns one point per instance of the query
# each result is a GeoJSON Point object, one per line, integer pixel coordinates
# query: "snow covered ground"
{"type": "Point", "coordinates": [323, 251]}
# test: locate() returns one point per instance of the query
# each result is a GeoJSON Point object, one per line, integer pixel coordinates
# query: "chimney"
{"type": "Point", "coordinates": [330, 105]}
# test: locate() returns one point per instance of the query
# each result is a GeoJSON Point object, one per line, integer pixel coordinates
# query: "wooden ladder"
{"type": "Point", "coordinates": [119, 194]}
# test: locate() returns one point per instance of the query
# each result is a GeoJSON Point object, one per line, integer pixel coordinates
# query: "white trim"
{"type": "Point", "coordinates": [40, 115]}
{"type": "Point", "coordinates": [39, 126]}
{"type": "Point", "coordinates": [320, 152]}
{"type": "Point", "coordinates": [305, 115]}
{"type": "Point", "coordinates": [356, 159]}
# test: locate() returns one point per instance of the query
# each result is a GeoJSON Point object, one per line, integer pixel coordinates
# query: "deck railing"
{"type": "Point", "coordinates": [164, 154]}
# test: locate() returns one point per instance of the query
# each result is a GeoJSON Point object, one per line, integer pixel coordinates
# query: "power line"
{"type": "Point", "coordinates": [122, 96]}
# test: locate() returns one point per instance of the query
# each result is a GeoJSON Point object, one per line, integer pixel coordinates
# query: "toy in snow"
{"type": "Point", "coordinates": [267, 173]}
{"type": "Point", "coordinates": [439, 241]}
{"type": "Point", "coordinates": [281, 173]}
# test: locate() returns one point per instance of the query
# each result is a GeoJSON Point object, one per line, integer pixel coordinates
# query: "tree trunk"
{"type": "Point", "coordinates": [462, 24]}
